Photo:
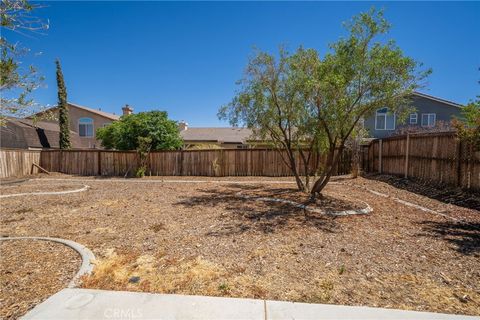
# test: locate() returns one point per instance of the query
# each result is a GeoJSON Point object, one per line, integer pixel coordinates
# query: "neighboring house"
{"type": "Point", "coordinates": [85, 122]}
{"type": "Point", "coordinates": [430, 111]}
{"type": "Point", "coordinates": [26, 134]}
{"type": "Point", "coordinates": [228, 138]}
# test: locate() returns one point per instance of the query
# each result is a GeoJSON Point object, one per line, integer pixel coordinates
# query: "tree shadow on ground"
{"type": "Point", "coordinates": [244, 215]}
{"type": "Point", "coordinates": [445, 194]}
{"type": "Point", "coordinates": [464, 236]}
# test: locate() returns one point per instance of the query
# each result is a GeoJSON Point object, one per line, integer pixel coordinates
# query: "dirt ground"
{"type": "Point", "coordinates": [30, 272]}
{"type": "Point", "coordinates": [190, 237]}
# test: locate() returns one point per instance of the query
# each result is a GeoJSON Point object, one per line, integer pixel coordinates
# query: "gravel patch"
{"type": "Point", "coordinates": [31, 271]}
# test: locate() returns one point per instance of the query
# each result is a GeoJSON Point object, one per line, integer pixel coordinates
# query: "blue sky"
{"type": "Point", "coordinates": [185, 57]}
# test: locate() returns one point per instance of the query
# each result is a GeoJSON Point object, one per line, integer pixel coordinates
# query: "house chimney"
{"type": "Point", "coordinates": [127, 110]}
{"type": "Point", "coordinates": [182, 125]}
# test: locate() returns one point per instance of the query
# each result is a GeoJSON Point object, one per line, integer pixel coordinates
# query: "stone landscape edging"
{"type": "Point", "coordinates": [86, 255]}
{"type": "Point", "coordinates": [365, 210]}
{"type": "Point", "coordinates": [84, 188]}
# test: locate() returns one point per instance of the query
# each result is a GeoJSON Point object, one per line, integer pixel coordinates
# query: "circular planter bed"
{"type": "Point", "coordinates": [329, 204]}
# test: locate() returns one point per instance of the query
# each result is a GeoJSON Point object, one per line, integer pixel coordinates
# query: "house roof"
{"type": "Point", "coordinates": [24, 133]}
{"type": "Point", "coordinates": [107, 115]}
{"type": "Point", "coordinates": [427, 96]}
{"type": "Point", "coordinates": [223, 135]}
{"type": "Point", "coordinates": [99, 112]}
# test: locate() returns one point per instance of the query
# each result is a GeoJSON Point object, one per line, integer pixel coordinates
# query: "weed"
{"type": "Point", "coordinates": [224, 288]}
{"type": "Point", "coordinates": [157, 227]}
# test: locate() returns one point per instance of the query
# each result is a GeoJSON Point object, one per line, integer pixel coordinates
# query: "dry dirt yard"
{"type": "Point", "coordinates": [190, 237]}
{"type": "Point", "coordinates": [30, 272]}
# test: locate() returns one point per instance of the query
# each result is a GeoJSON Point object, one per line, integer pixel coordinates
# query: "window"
{"type": "Point", "coordinates": [106, 124]}
{"type": "Point", "coordinates": [413, 118]}
{"type": "Point", "coordinates": [85, 127]}
{"type": "Point", "coordinates": [428, 119]}
{"type": "Point", "coordinates": [384, 120]}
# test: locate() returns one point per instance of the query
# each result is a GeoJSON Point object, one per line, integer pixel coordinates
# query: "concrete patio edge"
{"type": "Point", "coordinates": [103, 304]}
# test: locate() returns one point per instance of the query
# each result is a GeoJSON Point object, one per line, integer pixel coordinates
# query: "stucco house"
{"type": "Point", "coordinates": [430, 111]}
{"type": "Point", "coordinates": [85, 121]}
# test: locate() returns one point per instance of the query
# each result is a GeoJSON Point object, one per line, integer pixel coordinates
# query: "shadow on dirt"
{"type": "Point", "coordinates": [246, 214]}
{"type": "Point", "coordinates": [456, 196]}
{"type": "Point", "coordinates": [464, 236]}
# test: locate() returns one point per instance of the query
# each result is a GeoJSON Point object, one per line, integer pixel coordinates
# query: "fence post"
{"type": "Point", "coordinates": [458, 162]}
{"type": "Point", "coordinates": [99, 163]}
{"type": "Point", "coordinates": [407, 152]}
{"type": "Point", "coordinates": [60, 161]}
{"type": "Point", "coordinates": [181, 162]}
{"type": "Point", "coordinates": [380, 147]}
{"type": "Point", "coordinates": [222, 162]}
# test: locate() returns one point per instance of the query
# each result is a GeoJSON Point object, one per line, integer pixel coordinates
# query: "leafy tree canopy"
{"type": "Point", "coordinates": [125, 133]}
{"type": "Point", "coordinates": [303, 101]}
{"type": "Point", "coordinates": [468, 126]}
{"type": "Point", "coordinates": [17, 81]}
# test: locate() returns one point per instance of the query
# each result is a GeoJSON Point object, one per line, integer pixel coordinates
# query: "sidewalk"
{"type": "Point", "coordinates": [101, 304]}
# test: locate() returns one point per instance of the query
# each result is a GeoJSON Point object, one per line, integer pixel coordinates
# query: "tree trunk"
{"type": "Point", "coordinates": [300, 184]}
{"type": "Point", "coordinates": [321, 183]}
{"type": "Point", "coordinates": [298, 180]}
{"type": "Point", "coordinates": [331, 161]}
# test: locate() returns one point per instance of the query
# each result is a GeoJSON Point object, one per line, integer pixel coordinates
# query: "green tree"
{"type": "Point", "coordinates": [143, 150]}
{"type": "Point", "coordinates": [272, 103]}
{"type": "Point", "coordinates": [125, 133]}
{"type": "Point", "coordinates": [468, 126]}
{"type": "Point", "coordinates": [305, 101]}
{"type": "Point", "coordinates": [17, 81]}
{"type": "Point", "coordinates": [63, 120]}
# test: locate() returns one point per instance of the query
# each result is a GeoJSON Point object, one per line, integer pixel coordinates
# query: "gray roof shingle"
{"type": "Point", "coordinates": [24, 133]}
{"type": "Point", "coordinates": [221, 135]}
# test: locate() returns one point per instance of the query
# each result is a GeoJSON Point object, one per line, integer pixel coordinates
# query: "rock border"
{"type": "Point", "coordinates": [365, 210]}
{"type": "Point", "coordinates": [84, 188]}
{"type": "Point", "coordinates": [398, 200]}
{"type": "Point", "coordinates": [86, 255]}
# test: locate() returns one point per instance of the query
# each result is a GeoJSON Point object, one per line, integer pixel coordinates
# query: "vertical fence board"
{"type": "Point", "coordinates": [438, 158]}
{"type": "Point", "coordinates": [18, 163]}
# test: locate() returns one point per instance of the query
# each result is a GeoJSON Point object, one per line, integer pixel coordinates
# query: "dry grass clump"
{"type": "Point", "coordinates": [198, 276]}
{"type": "Point", "coordinates": [441, 294]}
{"type": "Point", "coordinates": [161, 274]}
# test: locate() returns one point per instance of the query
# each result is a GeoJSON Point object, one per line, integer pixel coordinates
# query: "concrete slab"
{"type": "Point", "coordinates": [100, 304]}
{"type": "Point", "coordinates": [305, 311]}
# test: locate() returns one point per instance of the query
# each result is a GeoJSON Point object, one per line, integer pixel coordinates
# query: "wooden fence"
{"type": "Point", "coordinates": [440, 158]}
{"type": "Point", "coordinates": [215, 163]}
{"type": "Point", "coordinates": [18, 163]}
